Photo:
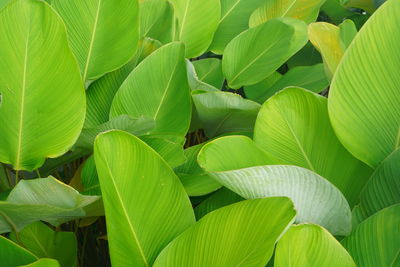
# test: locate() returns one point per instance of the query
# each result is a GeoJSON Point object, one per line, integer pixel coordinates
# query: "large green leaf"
{"type": "Point", "coordinates": [315, 199]}
{"type": "Point", "coordinates": [312, 78]}
{"type": "Point", "coordinates": [235, 16]}
{"type": "Point", "coordinates": [256, 53]}
{"type": "Point", "coordinates": [219, 199]}
{"type": "Point", "coordinates": [224, 112]}
{"type": "Point", "coordinates": [306, 10]}
{"type": "Point", "coordinates": [101, 92]}
{"type": "Point", "coordinates": [294, 127]}
{"type": "Point", "coordinates": [103, 34]}
{"type": "Point", "coordinates": [146, 206]}
{"type": "Point", "coordinates": [12, 255]}
{"type": "Point", "coordinates": [209, 70]}
{"type": "Point", "coordinates": [197, 21]}
{"type": "Point", "coordinates": [364, 103]}
{"type": "Point", "coordinates": [158, 89]}
{"type": "Point", "coordinates": [157, 20]}
{"type": "Point", "coordinates": [376, 241]}
{"type": "Point", "coordinates": [310, 245]}
{"type": "Point", "coordinates": [45, 199]}
{"type": "Point", "coordinates": [43, 242]}
{"type": "Point", "coordinates": [42, 104]}
{"type": "Point", "coordinates": [382, 189]}
{"type": "Point", "coordinates": [242, 234]}
{"type": "Point", "coordinates": [195, 180]}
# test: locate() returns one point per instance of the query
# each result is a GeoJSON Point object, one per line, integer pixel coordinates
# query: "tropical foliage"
{"type": "Point", "coordinates": [204, 133]}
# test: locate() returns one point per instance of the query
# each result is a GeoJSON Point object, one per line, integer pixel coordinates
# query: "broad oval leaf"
{"type": "Point", "coordinates": [306, 10]}
{"type": "Point", "coordinates": [249, 229]}
{"type": "Point", "coordinates": [256, 53]}
{"type": "Point", "coordinates": [12, 255]}
{"type": "Point", "coordinates": [315, 199]}
{"type": "Point", "coordinates": [376, 241]}
{"type": "Point", "coordinates": [382, 189]}
{"type": "Point", "coordinates": [235, 16]}
{"type": "Point", "coordinates": [309, 245]}
{"type": "Point", "coordinates": [294, 127]}
{"type": "Point", "coordinates": [197, 21]}
{"type": "Point", "coordinates": [103, 33]}
{"type": "Point", "coordinates": [158, 89]}
{"type": "Point", "coordinates": [364, 103]}
{"type": "Point", "coordinates": [45, 199]}
{"type": "Point", "coordinates": [142, 196]}
{"type": "Point", "coordinates": [42, 106]}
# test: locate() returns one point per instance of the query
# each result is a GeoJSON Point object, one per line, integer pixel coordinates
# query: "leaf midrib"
{"type": "Point", "coordinates": [184, 18]}
{"type": "Point", "coordinates": [96, 20]}
{"type": "Point", "coordinates": [126, 215]}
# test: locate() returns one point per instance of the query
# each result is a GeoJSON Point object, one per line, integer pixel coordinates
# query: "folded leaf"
{"type": "Point", "coordinates": [103, 34]}
{"type": "Point", "coordinates": [42, 96]}
{"type": "Point", "coordinates": [242, 234]}
{"type": "Point", "coordinates": [376, 241]}
{"type": "Point", "coordinates": [256, 53]}
{"type": "Point", "coordinates": [293, 126]}
{"type": "Point", "coordinates": [209, 70]}
{"type": "Point", "coordinates": [364, 102]}
{"type": "Point", "coordinates": [44, 199]}
{"type": "Point", "coordinates": [310, 245]}
{"type": "Point", "coordinates": [146, 205]}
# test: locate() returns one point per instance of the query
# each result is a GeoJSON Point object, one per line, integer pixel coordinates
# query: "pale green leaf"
{"type": "Point", "coordinates": [242, 234]}
{"type": "Point", "coordinates": [43, 103]}
{"type": "Point", "coordinates": [364, 103]}
{"type": "Point", "coordinates": [306, 10]}
{"type": "Point", "coordinates": [309, 245]}
{"type": "Point", "coordinates": [256, 53]}
{"type": "Point", "coordinates": [103, 34]}
{"type": "Point", "coordinates": [146, 205]}
{"type": "Point", "coordinates": [293, 126]}
{"type": "Point", "coordinates": [158, 89]}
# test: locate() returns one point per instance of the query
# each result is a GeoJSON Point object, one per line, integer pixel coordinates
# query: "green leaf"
{"type": "Point", "coordinates": [209, 70]}
{"type": "Point", "coordinates": [157, 20]}
{"type": "Point", "coordinates": [315, 199]}
{"type": "Point", "coordinates": [197, 21]}
{"type": "Point", "coordinates": [45, 199]}
{"type": "Point", "coordinates": [365, 95]}
{"type": "Point", "coordinates": [143, 199]}
{"type": "Point", "coordinates": [348, 31]}
{"type": "Point", "coordinates": [256, 53]}
{"type": "Point", "coordinates": [194, 81]}
{"type": "Point", "coordinates": [310, 245]}
{"type": "Point", "coordinates": [219, 199]}
{"type": "Point", "coordinates": [235, 15]}
{"type": "Point", "coordinates": [103, 34]}
{"type": "Point", "coordinates": [12, 255]}
{"type": "Point", "coordinates": [306, 10]}
{"type": "Point", "coordinates": [312, 78]}
{"type": "Point", "coordinates": [224, 112]}
{"type": "Point", "coordinates": [158, 89]}
{"type": "Point", "coordinates": [43, 263]}
{"type": "Point", "coordinates": [90, 179]}
{"type": "Point", "coordinates": [43, 103]}
{"type": "Point", "coordinates": [382, 189]}
{"type": "Point", "coordinates": [307, 56]}
{"type": "Point", "coordinates": [242, 234]}
{"type": "Point", "coordinates": [376, 241]}
{"type": "Point", "coordinates": [43, 242]}
{"type": "Point", "coordinates": [255, 92]}
{"type": "Point", "coordinates": [101, 92]}
{"type": "Point", "coordinates": [195, 180]}
{"type": "Point", "coordinates": [293, 126]}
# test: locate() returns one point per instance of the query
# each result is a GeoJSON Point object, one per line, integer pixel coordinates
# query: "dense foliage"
{"type": "Point", "coordinates": [210, 133]}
